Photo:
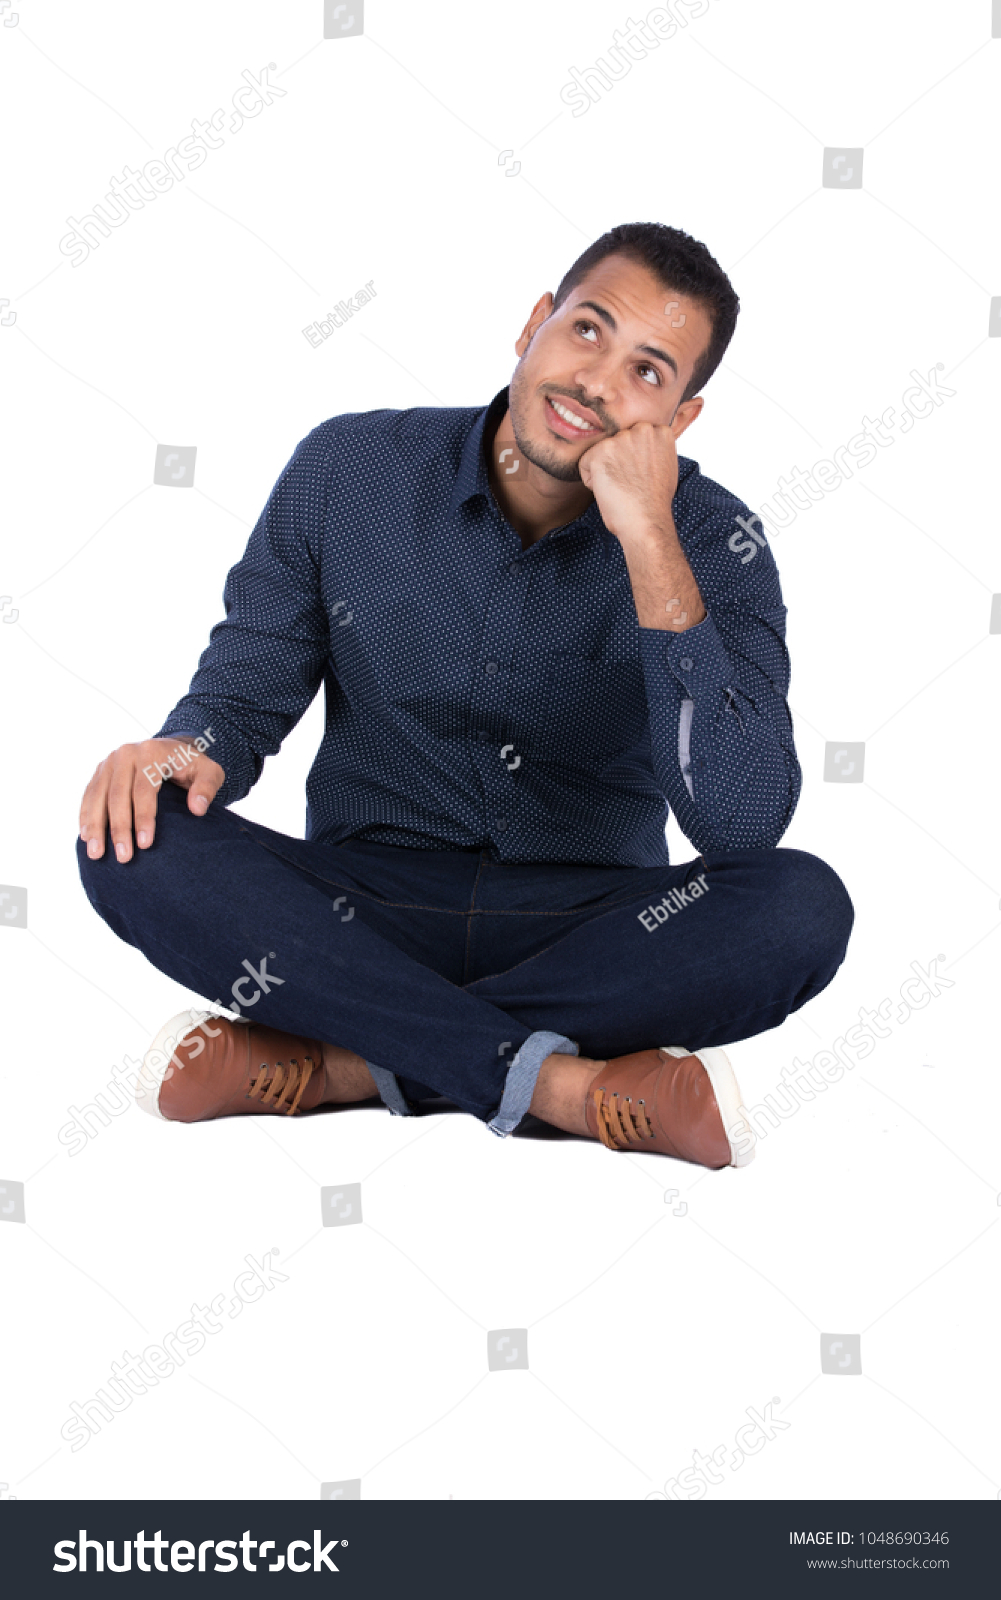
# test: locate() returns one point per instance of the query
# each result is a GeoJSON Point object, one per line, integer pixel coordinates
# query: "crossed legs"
{"type": "Point", "coordinates": [446, 969]}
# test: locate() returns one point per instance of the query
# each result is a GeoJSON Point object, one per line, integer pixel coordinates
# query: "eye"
{"type": "Point", "coordinates": [588, 326]}
{"type": "Point", "coordinates": [652, 371]}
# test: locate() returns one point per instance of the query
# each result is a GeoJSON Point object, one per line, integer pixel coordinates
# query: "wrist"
{"type": "Point", "coordinates": [658, 615]}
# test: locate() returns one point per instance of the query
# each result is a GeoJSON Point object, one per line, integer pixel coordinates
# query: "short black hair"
{"type": "Point", "coordinates": [682, 264]}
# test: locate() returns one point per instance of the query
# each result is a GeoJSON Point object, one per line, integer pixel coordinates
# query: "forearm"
{"type": "Point", "coordinates": [665, 592]}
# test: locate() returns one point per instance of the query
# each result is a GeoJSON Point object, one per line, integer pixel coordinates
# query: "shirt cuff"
{"type": "Point", "coordinates": [697, 660]}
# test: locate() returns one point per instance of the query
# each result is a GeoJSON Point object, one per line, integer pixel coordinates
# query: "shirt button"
{"type": "Point", "coordinates": [514, 567]}
{"type": "Point", "coordinates": [490, 668]}
{"type": "Point", "coordinates": [500, 824]}
{"type": "Point", "coordinates": [686, 663]}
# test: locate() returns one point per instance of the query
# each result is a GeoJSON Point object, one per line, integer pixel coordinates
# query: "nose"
{"type": "Point", "coordinates": [596, 381]}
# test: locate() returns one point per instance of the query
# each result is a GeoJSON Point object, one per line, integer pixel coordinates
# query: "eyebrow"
{"type": "Point", "coordinates": [646, 349]}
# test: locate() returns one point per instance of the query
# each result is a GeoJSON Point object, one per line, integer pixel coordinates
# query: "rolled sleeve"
{"type": "Point", "coordinates": [389, 1089]}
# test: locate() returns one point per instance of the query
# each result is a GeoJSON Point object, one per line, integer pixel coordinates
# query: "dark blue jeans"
{"type": "Point", "coordinates": [455, 976]}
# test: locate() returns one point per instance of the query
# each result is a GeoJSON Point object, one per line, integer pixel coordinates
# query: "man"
{"type": "Point", "coordinates": [537, 629]}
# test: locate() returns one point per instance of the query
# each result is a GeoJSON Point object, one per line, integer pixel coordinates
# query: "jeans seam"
{"type": "Point", "coordinates": [420, 905]}
{"type": "Point", "coordinates": [535, 957]}
{"type": "Point", "coordinates": [405, 905]}
{"type": "Point", "coordinates": [607, 910]}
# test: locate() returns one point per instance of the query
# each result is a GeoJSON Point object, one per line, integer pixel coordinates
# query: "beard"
{"type": "Point", "coordinates": [544, 456]}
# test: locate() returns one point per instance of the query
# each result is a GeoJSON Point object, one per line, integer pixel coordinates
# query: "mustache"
{"type": "Point", "coordinates": [586, 405]}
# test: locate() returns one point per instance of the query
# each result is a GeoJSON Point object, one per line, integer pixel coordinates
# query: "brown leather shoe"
{"type": "Point", "coordinates": [201, 1066]}
{"type": "Point", "coordinates": [672, 1101]}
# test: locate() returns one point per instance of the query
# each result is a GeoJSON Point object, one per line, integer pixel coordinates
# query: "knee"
{"type": "Point", "coordinates": [816, 906]}
{"type": "Point", "coordinates": [109, 881]}
{"type": "Point", "coordinates": [92, 870]}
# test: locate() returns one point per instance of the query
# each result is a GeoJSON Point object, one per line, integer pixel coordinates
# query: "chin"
{"type": "Point", "coordinates": [565, 471]}
{"type": "Point", "coordinates": [547, 455]}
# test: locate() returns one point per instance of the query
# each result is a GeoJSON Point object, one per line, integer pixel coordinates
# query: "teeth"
{"type": "Point", "coordinates": [568, 415]}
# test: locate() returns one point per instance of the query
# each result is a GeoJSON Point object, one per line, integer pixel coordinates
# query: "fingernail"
{"type": "Point", "coordinates": [121, 851]}
{"type": "Point", "coordinates": [93, 847]}
{"type": "Point", "coordinates": [143, 839]}
{"type": "Point", "coordinates": [199, 804]}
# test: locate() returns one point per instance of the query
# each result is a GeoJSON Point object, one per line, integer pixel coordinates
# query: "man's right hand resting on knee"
{"type": "Point", "coordinates": [123, 792]}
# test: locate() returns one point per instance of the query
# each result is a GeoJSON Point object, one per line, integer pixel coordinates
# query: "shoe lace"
{"type": "Point", "coordinates": [274, 1081]}
{"type": "Point", "coordinates": [619, 1122]}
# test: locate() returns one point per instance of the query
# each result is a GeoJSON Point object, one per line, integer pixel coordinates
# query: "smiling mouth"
{"type": "Point", "coordinates": [569, 424]}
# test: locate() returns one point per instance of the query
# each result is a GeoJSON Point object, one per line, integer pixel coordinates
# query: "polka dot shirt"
{"type": "Point", "coordinates": [482, 696]}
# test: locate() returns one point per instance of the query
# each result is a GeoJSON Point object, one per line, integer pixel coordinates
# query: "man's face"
{"type": "Point", "coordinates": [620, 350]}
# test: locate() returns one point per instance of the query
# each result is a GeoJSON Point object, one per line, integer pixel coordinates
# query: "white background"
{"type": "Point", "coordinates": [872, 1211]}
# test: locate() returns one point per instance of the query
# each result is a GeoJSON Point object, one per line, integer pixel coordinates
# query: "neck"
{"type": "Point", "coordinates": [532, 501]}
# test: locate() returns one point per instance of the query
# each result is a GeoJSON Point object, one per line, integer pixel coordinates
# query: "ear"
{"type": "Point", "coordinates": [540, 311]}
{"type": "Point", "coordinates": [686, 415]}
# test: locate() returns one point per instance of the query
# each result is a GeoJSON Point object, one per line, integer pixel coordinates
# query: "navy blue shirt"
{"type": "Point", "coordinates": [484, 696]}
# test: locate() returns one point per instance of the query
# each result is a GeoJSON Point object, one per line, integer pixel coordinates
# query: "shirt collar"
{"type": "Point", "coordinates": [471, 478]}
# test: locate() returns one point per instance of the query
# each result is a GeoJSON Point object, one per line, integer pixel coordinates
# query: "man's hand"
{"type": "Point", "coordinates": [633, 476]}
{"type": "Point", "coordinates": [125, 787]}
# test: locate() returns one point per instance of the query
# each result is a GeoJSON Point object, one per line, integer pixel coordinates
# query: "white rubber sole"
{"type": "Point", "coordinates": [739, 1134]}
{"type": "Point", "coordinates": [156, 1065]}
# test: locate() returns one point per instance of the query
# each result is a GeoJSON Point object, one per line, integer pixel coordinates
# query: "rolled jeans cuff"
{"type": "Point", "coordinates": [390, 1092]}
{"type": "Point", "coordinates": [519, 1086]}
